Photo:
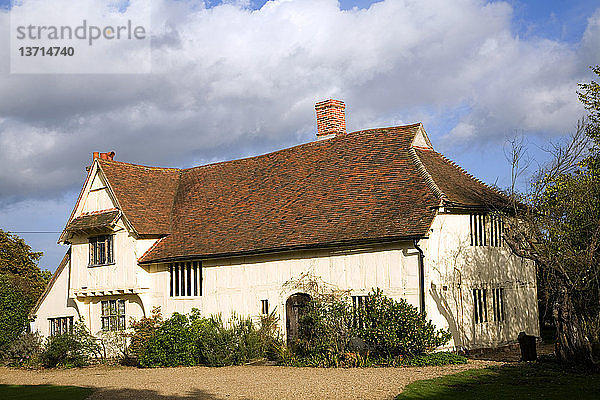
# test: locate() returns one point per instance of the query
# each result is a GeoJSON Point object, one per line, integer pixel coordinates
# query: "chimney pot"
{"type": "Point", "coordinates": [104, 156]}
{"type": "Point", "coordinates": [331, 117]}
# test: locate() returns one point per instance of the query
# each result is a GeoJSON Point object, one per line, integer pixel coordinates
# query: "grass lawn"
{"type": "Point", "coordinates": [526, 381]}
{"type": "Point", "coordinates": [46, 392]}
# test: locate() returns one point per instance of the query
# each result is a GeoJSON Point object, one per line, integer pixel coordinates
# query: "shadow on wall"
{"type": "Point", "coordinates": [486, 268]}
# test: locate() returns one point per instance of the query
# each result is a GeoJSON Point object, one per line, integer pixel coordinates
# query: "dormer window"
{"type": "Point", "coordinates": [102, 250]}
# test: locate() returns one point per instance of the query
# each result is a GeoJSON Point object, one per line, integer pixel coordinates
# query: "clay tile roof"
{"type": "Point", "coordinates": [145, 194]}
{"type": "Point", "coordinates": [359, 187]}
{"type": "Point", "coordinates": [356, 187]}
{"type": "Point", "coordinates": [459, 187]}
{"type": "Point", "coordinates": [94, 220]}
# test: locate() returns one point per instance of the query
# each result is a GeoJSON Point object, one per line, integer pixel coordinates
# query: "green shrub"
{"type": "Point", "coordinates": [141, 332]}
{"type": "Point", "coordinates": [24, 351]}
{"type": "Point", "coordinates": [196, 340]}
{"type": "Point", "coordinates": [394, 328]}
{"type": "Point", "coordinates": [384, 331]}
{"type": "Point", "coordinates": [325, 330]}
{"type": "Point", "coordinates": [171, 345]}
{"type": "Point", "coordinates": [435, 359]}
{"type": "Point", "coordinates": [68, 350]}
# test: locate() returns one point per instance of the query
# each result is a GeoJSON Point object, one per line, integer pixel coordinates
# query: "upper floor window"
{"type": "Point", "coordinates": [113, 315]}
{"type": "Point", "coordinates": [496, 229]}
{"type": "Point", "coordinates": [185, 279]}
{"type": "Point", "coordinates": [102, 250]}
{"type": "Point", "coordinates": [478, 237]}
{"type": "Point", "coordinates": [486, 230]}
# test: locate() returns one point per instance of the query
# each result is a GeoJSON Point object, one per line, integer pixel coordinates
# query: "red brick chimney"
{"type": "Point", "coordinates": [103, 156]}
{"type": "Point", "coordinates": [331, 118]}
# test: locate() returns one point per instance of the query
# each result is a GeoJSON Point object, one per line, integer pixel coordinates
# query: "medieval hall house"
{"type": "Point", "coordinates": [378, 208]}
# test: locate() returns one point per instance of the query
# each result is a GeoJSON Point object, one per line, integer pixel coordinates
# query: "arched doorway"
{"type": "Point", "coordinates": [294, 308]}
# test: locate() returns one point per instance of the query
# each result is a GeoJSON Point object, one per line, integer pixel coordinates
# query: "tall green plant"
{"type": "Point", "coordinates": [392, 328]}
{"type": "Point", "coordinates": [332, 331]}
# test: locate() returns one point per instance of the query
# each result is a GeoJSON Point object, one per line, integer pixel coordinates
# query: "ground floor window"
{"type": "Point", "coordinates": [113, 315]}
{"type": "Point", "coordinates": [358, 304]}
{"type": "Point", "coordinates": [60, 325]}
{"type": "Point", "coordinates": [185, 279]}
{"type": "Point", "coordinates": [265, 307]}
{"type": "Point", "coordinates": [498, 304]}
{"type": "Point", "coordinates": [480, 305]}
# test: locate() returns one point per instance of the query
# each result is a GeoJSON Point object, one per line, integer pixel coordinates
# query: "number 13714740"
{"type": "Point", "coordinates": [46, 51]}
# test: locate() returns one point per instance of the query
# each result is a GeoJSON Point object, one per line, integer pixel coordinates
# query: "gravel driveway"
{"type": "Point", "coordinates": [245, 382]}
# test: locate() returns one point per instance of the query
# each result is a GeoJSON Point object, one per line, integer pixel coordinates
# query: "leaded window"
{"type": "Point", "coordinates": [102, 250]}
{"type": "Point", "coordinates": [60, 325]}
{"type": "Point", "coordinates": [113, 315]}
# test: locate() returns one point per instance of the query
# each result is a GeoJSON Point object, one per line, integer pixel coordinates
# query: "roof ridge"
{"type": "Point", "coordinates": [313, 142]}
{"type": "Point", "coordinates": [141, 166]}
{"type": "Point", "coordinates": [426, 175]}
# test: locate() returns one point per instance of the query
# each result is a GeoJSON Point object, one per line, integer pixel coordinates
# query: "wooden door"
{"type": "Point", "coordinates": [294, 307]}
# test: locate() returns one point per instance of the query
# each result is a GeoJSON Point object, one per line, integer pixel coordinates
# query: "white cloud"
{"type": "Point", "coordinates": [228, 81]}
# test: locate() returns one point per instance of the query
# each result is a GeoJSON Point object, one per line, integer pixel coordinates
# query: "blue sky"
{"type": "Point", "coordinates": [241, 79]}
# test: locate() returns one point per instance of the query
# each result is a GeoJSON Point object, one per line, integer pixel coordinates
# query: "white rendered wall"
{"type": "Point", "coordinates": [56, 304]}
{"type": "Point", "coordinates": [239, 284]}
{"type": "Point", "coordinates": [454, 268]}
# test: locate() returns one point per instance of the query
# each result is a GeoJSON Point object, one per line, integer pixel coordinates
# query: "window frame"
{"type": "Point", "coordinates": [108, 250]}
{"type": "Point", "coordinates": [113, 314]}
{"type": "Point", "coordinates": [480, 312]}
{"type": "Point", "coordinates": [64, 325]}
{"type": "Point", "coordinates": [358, 302]}
{"type": "Point", "coordinates": [498, 304]}
{"type": "Point", "coordinates": [185, 279]}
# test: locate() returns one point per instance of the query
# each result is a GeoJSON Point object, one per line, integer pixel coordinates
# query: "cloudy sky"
{"type": "Point", "coordinates": [238, 78]}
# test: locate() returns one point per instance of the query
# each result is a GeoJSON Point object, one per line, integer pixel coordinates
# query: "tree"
{"type": "Point", "coordinates": [558, 226]}
{"type": "Point", "coordinates": [21, 283]}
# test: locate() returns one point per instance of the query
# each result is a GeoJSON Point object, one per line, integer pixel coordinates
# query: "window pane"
{"type": "Point", "coordinates": [109, 247]}
{"type": "Point", "coordinates": [121, 307]}
{"type": "Point", "coordinates": [122, 322]}
{"type": "Point", "coordinates": [182, 279]}
{"type": "Point", "coordinates": [171, 280]}
{"type": "Point", "coordinates": [113, 307]}
{"type": "Point", "coordinates": [195, 279]}
{"type": "Point", "coordinates": [177, 279]}
{"type": "Point", "coordinates": [105, 308]}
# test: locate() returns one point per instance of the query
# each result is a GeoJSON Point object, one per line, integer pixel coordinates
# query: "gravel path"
{"type": "Point", "coordinates": [246, 382]}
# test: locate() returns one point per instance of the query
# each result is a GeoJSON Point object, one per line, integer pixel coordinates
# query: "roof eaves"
{"type": "Point", "coordinates": [278, 249]}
